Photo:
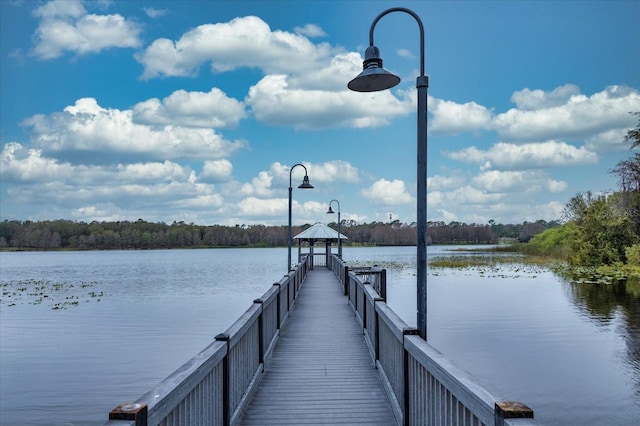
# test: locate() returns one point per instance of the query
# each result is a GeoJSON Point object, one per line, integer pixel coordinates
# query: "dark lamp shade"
{"type": "Point", "coordinates": [305, 183]}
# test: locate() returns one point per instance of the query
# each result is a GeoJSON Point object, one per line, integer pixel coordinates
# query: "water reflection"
{"type": "Point", "coordinates": [603, 303]}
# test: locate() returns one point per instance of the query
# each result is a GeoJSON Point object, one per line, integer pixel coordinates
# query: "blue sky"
{"type": "Point", "coordinates": [195, 111]}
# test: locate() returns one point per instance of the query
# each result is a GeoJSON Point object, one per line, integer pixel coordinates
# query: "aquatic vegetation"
{"type": "Point", "coordinates": [489, 265]}
{"type": "Point", "coordinates": [56, 295]}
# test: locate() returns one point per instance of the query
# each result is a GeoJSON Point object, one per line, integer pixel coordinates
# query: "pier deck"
{"type": "Point", "coordinates": [320, 371]}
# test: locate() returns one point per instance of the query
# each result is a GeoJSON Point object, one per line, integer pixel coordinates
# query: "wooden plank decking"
{"type": "Point", "coordinates": [320, 371]}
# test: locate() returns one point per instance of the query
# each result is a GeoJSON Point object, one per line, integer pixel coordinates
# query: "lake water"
{"type": "Point", "coordinates": [81, 332]}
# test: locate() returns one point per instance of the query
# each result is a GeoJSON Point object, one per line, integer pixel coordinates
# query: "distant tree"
{"type": "Point", "coordinates": [633, 135]}
{"type": "Point", "coordinates": [628, 173]}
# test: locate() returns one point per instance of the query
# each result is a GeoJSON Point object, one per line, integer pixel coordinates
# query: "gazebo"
{"type": "Point", "coordinates": [318, 232]}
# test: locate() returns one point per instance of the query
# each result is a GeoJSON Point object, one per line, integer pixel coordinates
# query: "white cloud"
{"type": "Point", "coordinates": [154, 189]}
{"type": "Point", "coordinates": [242, 42]}
{"type": "Point", "coordinates": [405, 53]}
{"type": "Point", "coordinates": [334, 171]}
{"type": "Point", "coordinates": [310, 30]}
{"type": "Point", "coordinates": [495, 181]}
{"type": "Point", "coordinates": [600, 120]}
{"type": "Point", "coordinates": [252, 206]}
{"type": "Point", "coordinates": [530, 100]}
{"type": "Point", "coordinates": [191, 109]}
{"type": "Point", "coordinates": [388, 193]}
{"type": "Point", "coordinates": [566, 114]}
{"type": "Point", "coordinates": [533, 155]}
{"type": "Point", "coordinates": [216, 170]}
{"type": "Point", "coordinates": [152, 12]}
{"type": "Point", "coordinates": [273, 101]}
{"type": "Point", "coordinates": [452, 118]}
{"type": "Point", "coordinates": [66, 26]}
{"type": "Point", "coordinates": [86, 126]}
{"type": "Point", "coordinates": [20, 164]}
{"type": "Point", "coordinates": [259, 186]}
{"type": "Point", "coordinates": [438, 182]}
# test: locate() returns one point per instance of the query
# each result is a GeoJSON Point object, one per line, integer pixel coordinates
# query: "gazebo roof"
{"type": "Point", "coordinates": [320, 231]}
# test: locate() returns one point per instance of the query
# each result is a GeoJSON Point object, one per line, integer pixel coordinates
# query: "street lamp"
{"type": "Point", "coordinates": [374, 78]}
{"type": "Point", "coordinates": [330, 211]}
{"type": "Point", "coordinates": [304, 185]}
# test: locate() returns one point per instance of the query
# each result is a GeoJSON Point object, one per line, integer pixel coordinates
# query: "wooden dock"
{"type": "Point", "coordinates": [320, 346]}
{"type": "Point", "coordinates": [320, 371]}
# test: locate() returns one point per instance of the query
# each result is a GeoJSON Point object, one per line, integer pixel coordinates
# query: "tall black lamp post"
{"type": "Point", "coordinates": [330, 211]}
{"type": "Point", "coordinates": [374, 78]}
{"type": "Point", "coordinates": [304, 185]}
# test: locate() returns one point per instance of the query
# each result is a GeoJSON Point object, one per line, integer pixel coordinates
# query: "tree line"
{"type": "Point", "coordinates": [140, 234]}
{"type": "Point", "coordinates": [600, 229]}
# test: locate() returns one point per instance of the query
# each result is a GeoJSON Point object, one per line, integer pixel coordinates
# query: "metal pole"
{"type": "Point", "coordinates": [422, 83]}
{"type": "Point", "coordinates": [339, 235]}
{"type": "Point", "coordinates": [289, 236]}
{"type": "Point", "coordinates": [305, 185]}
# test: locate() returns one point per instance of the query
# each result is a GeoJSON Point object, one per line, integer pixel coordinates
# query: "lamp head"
{"type": "Point", "coordinates": [330, 211]}
{"type": "Point", "coordinates": [305, 183]}
{"type": "Point", "coordinates": [373, 77]}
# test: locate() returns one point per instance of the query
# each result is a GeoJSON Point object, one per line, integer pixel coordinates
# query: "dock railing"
{"type": "Point", "coordinates": [423, 386]}
{"type": "Point", "coordinates": [213, 387]}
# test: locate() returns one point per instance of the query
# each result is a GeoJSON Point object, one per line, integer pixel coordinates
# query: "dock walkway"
{"type": "Point", "coordinates": [320, 371]}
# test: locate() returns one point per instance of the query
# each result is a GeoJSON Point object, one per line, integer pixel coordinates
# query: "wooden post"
{"type": "Point", "coordinates": [345, 281]}
{"type": "Point", "coordinates": [131, 412]}
{"type": "Point", "coordinates": [226, 381]}
{"type": "Point", "coordinates": [260, 333]}
{"type": "Point", "coordinates": [511, 410]}
{"type": "Point", "coordinates": [405, 373]}
{"type": "Point", "coordinates": [278, 305]}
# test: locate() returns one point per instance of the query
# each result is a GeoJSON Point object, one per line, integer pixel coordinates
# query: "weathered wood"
{"type": "Point", "coordinates": [320, 371]}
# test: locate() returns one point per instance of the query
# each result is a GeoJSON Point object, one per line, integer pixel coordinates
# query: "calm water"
{"type": "Point", "coordinates": [81, 332]}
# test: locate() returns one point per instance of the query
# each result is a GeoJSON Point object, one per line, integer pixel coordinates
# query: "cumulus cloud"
{"type": "Point", "coordinates": [388, 193]}
{"type": "Point", "coordinates": [494, 181]}
{"type": "Point", "coordinates": [65, 25]}
{"type": "Point", "coordinates": [598, 120]}
{"type": "Point", "coordinates": [566, 114]}
{"type": "Point", "coordinates": [530, 100]}
{"type": "Point", "coordinates": [310, 30]}
{"type": "Point", "coordinates": [252, 206]}
{"type": "Point", "coordinates": [273, 101]}
{"type": "Point", "coordinates": [438, 182]}
{"type": "Point", "coordinates": [216, 170]}
{"type": "Point", "coordinates": [528, 156]}
{"type": "Point", "coordinates": [148, 188]}
{"type": "Point", "coordinates": [259, 186]}
{"type": "Point", "coordinates": [270, 183]}
{"type": "Point", "coordinates": [86, 126]}
{"type": "Point", "coordinates": [20, 164]}
{"type": "Point", "coordinates": [452, 118]}
{"type": "Point", "coordinates": [334, 171]}
{"type": "Point", "coordinates": [191, 109]}
{"type": "Point", "coordinates": [242, 42]}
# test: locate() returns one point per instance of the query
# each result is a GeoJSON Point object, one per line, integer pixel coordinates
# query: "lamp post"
{"type": "Point", "coordinates": [330, 211]}
{"type": "Point", "coordinates": [304, 185]}
{"type": "Point", "coordinates": [374, 78]}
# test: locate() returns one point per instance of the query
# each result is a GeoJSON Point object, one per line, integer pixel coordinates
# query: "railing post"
{"type": "Point", "coordinates": [278, 305]}
{"type": "Point", "coordinates": [260, 333]}
{"type": "Point", "coordinates": [511, 410]}
{"type": "Point", "coordinates": [131, 412]}
{"type": "Point", "coordinates": [226, 380]}
{"type": "Point", "coordinates": [405, 374]}
{"type": "Point", "coordinates": [377, 333]}
{"type": "Point", "coordinates": [383, 284]}
{"type": "Point", "coordinates": [345, 281]}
